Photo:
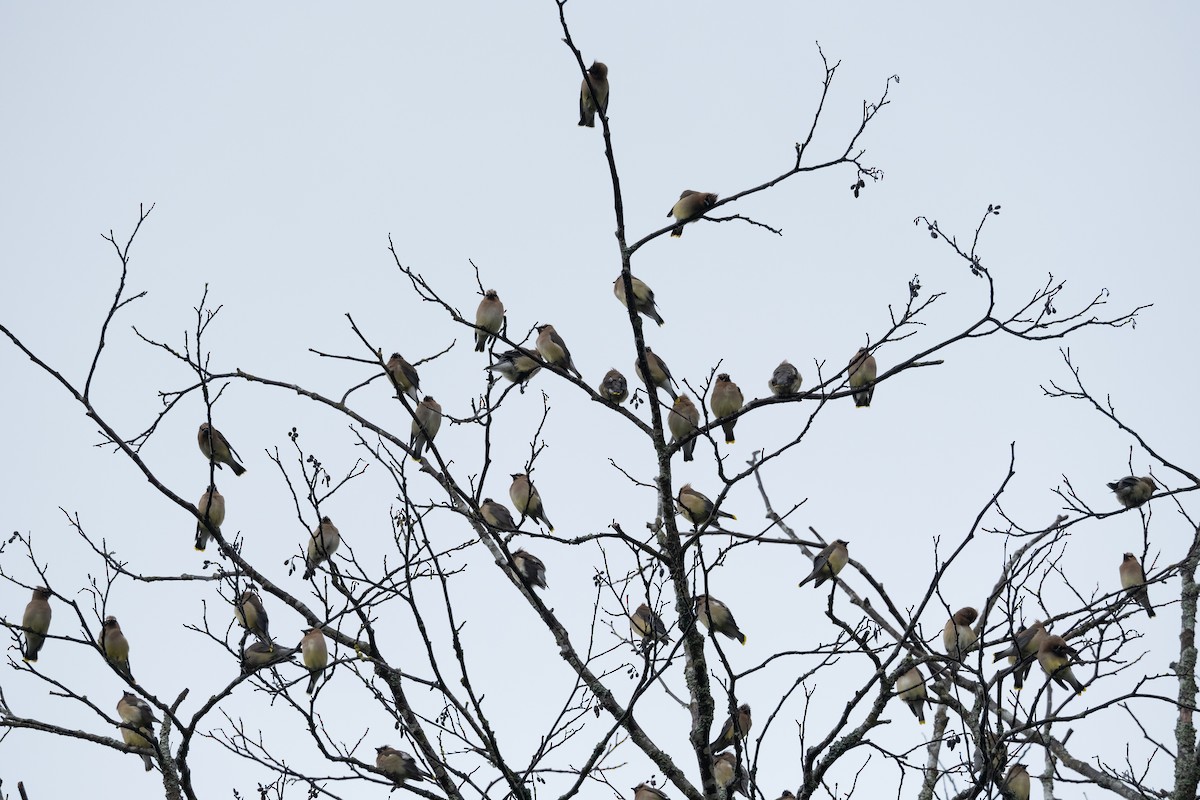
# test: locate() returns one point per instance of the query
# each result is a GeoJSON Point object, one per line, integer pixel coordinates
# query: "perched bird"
{"type": "Point", "coordinates": [250, 614]}
{"type": "Point", "coordinates": [614, 388]}
{"type": "Point", "coordinates": [212, 507]}
{"type": "Point", "coordinates": [553, 349]}
{"type": "Point", "coordinates": [1132, 492]}
{"type": "Point", "coordinates": [427, 419]}
{"type": "Point", "coordinates": [660, 376]}
{"type": "Point", "coordinates": [1054, 654]}
{"type": "Point", "coordinates": [644, 791]}
{"type": "Point", "coordinates": [115, 646]}
{"type": "Point", "coordinates": [735, 727]}
{"type": "Point", "coordinates": [643, 298]}
{"type": "Point", "coordinates": [1133, 578]}
{"type": "Point", "coordinates": [683, 420]}
{"type": "Point", "coordinates": [910, 687]}
{"type": "Point", "coordinates": [726, 399]}
{"type": "Point", "coordinates": [322, 544]}
{"type": "Point", "coordinates": [515, 365]}
{"type": "Point", "coordinates": [137, 714]}
{"type": "Point", "coordinates": [717, 617]}
{"type": "Point", "coordinates": [1022, 652]}
{"type": "Point", "coordinates": [862, 373]}
{"type": "Point", "coordinates": [696, 508]}
{"type": "Point", "coordinates": [1016, 782]}
{"type": "Point", "coordinates": [646, 624]}
{"type": "Point", "coordinates": [958, 637]}
{"type": "Point", "coordinates": [526, 499]}
{"type": "Point", "coordinates": [488, 318]}
{"type": "Point", "coordinates": [216, 448]}
{"type": "Point", "coordinates": [398, 765]}
{"type": "Point", "coordinates": [315, 654]}
{"type": "Point", "coordinates": [594, 98]}
{"type": "Point", "coordinates": [36, 623]}
{"type": "Point", "coordinates": [257, 655]}
{"type": "Point", "coordinates": [828, 563]}
{"type": "Point", "coordinates": [404, 376]}
{"type": "Point", "coordinates": [690, 205]}
{"type": "Point", "coordinates": [497, 515]}
{"type": "Point", "coordinates": [530, 567]}
{"type": "Point", "coordinates": [728, 774]}
{"type": "Point", "coordinates": [785, 380]}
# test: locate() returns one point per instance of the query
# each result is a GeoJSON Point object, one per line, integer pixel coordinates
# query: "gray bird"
{"type": "Point", "coordinates": [530, 567]}
{"type": "Point", "coordinates": [862, 377]}
{"type": "Point", "coordinates": [497, 515]}
{"type": "Point", "coordinates": [726, 399]}
{"type": "Point", "coordinates": [957, 636]}
{"type": "Point", "coordinates": [315, 654]}
{"type": "Point", "coordinates": [828, 563]}
{"type": "Point", "coordinates": [643, 298]}
{"type": "Point", "coordinates": [137, 714]}
{"type": "Point", "coordinates": [526, 499]}
{"type": "Point", "coordinates": [553, 349]}
{"type": "Point", "coordinates": [646, 624]}
{"type": "Point", "coordinates": [717, 617]}
{"type": "Point", "coordinates": [1133, 578]}
{"type": "Point", "coordinates": [660, 376]}
{"type": "Point", "coordinates": [211, 506]}
{"type": "Point", "coordinates": [36, 623]}
{"type": "Point", "coordinates": [216, 448]}
{"type": "Point", "coordinates": [785, 380]}
{"type": "Point", "coordinates": [1016, 782]}
{"type": "Point", "coordinates": [1023, 652]}
{"type": "Point", "coordinates": [691, 204]}
{"type": "Point", "coordinates": [1054, 654]}
{"type": "Point", "coordinates": [910, 687]}
{"type": "Point", "coordinates": [683, 420]}
{"type": "Point", "coordinates": [250, 614]}
{"type": "Point", "coordinates": [735, 727]}
{"type": "Point", "coordinates": [1132, 491]}
{"type": "Point", "coordinates": [115, 646]}
{"type": "Point", "coordinates": [614, 388]}
{"type": "Point", "coordinates": [728, 774]}
{"type": "Point", "coordinates": [594, 98]}
{"type": "Point", "coordinates": [322, 544]}
{"type": "Point", "coordinates": [489, 318]}
{"type": "Point", "coordinates": [257, 655]}
{"type": "Point", "coordinates": [404, 376]}
{"type": "Point", "coordinates": [515, 365]}
{"type": "Point", "coordinates": [427, 420]}
{"type": "Point", "coordinates": [697, 508]}
{"type": "Point", "coordinates": [399, 765]}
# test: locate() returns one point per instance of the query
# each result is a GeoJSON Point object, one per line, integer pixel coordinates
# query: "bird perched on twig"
{"type": "Point", "coordinates": [530, 567]}
{"type": "Point", "coordinates": [910, 687]}
{"type": "Point", "coordinates": [404, 376]}
{"type": "Point", "coordinates": [785, 380]}
{"type": "Point", "coordinates": [399, 765]}
{"type": "Point", "coordinates": [1054, 654]}
{"type": "Point", "coordinates": [690, 205]}
{"type": "Point", "coordinates": [862, 377]}
{"type": "Point", "coordinates": [1022, 652]}
{"type": "Point", "coordinates": [646, 624]}
{"type": "Point", "coordinates": [957, 636]}
{"type": "Point", "coordinates": [322, 544]}
{"type": "Point", "coordinates": [614, 388]}
{"type": "Point", "coordinates": [1133, 578]}
{"type": "Point", "coordinates": [526, 499]}
{"type": "Point", "coordinates": [216, 448]}
{"type": "Point", "coordinates": [697, 509]}
{"type": "Point", "coordinates": [489, 318]}
{"type": "Point", "coordinates": [643, 297]}
{"type": "Point", "coordinates": [660, 375]}
{"type": "Point", "coordinates": [717, 617]}
{"type": "Point", "coordinates": [828, 563]}
{"type": "Point", "coordinates": [736, 726]}
{"type": "Point", "coordinates": [594, 98]}
{"type": "Point", "coordinates": [1132, 491]}
{"type": "Point", "coordinates": [683, 420]}
{"type": "Point", "coordinates": [726, 399]}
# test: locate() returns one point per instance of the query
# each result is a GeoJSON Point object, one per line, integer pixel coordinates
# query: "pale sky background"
{"type": "Point", "coordinates": [283, 143]}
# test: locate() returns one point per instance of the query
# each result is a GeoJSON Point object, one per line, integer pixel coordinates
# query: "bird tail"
{"type": "Point", "coordinates": [309, 570]}
{"type": "Point", "coordinates": [742, 638]}
{"type": "Point", "coordinates": [237, 468]}
{"type": "Point", "coordinates": [677, 231]}
{"type": "Point", "coordinates": [312, 681]}
{"type": "Point", "coordinates": [728, 428]}
{"type": "Point", "coordinates": [149, 763]}
{"type": "Point", "coordinates": [201, 537]}
{"type": "Point", "coordinates": [480, 341]}
{"type": "Point", "coordinates": [418, 446]}
{"type": "Point", "coordinates": [654, 315]}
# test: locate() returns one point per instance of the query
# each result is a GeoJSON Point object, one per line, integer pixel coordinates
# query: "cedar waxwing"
{"type": "Point", "coordinates": [643, 298]}
{"type": "Point", "coordinates": [398, 765]}
{"type": "Point", "coordinates": [660, 376]}
{"type": "Point", "coordinates": [518, 367]}
{"type": "Point", "coordinates": [265, 654]}
{"type": "Point", "coordinates": [910, 687]}
{"type": "Point", "coordinates": [315, 654]}
{"type": "Point", "coordinates": [497, 515]}
{"type": "Point", "coordinates": [250, 614]}
{"type": "Point", "coordinates": [1016, 782]}
{"type": "Point", "coordinates": [36, 623]}
{"type": "Point", "coordinates": [726, 399]}
{"type": "Point", "coordinates": [683, 420]}
{"type": "Point", "coordinates": [404, 376]}
{"type": "Point", "coordinates": [212, 506]}
{"type": "Point", "coordinates": [785, 380]}
{"type": "Point", "coordinates": [115, 646]}
{"type": "Point", "coordinates": [696, 508]}
{"type": "Point", "coordinates": [726, 736]}
{"type": "Point", "coordinates": [526, 499]}
{"type": "Point", "coordinates": [717, 617]}
{"type": "Point", "coordinates": [488, 317]}
{"type": "Point", "coordinates": [427, 419]}
{"type": "Point", "coordinates": [993, 750]}
{"type": "Point", "coordinates": [1132, 492]}
{"type": "Point", "coordinates": [1054, 654]}
{"type": "Point", "coordinates": [958, 637]}
{"type": "Point", "coordinates": [1022, 652]}
{"type": "Point", "coordinates": [614, 388]}
{"type": "Point", "coordinates": [593, 98]}
{"type": "Point", "coordinates": [322, 544]}
{"type": "Point", "coordinates": [689, 206]}
{"type": "Point", "coordinates": [553, 349]}
{"type": "Point", "coordinates": [136, 712]}
{"type": "Point", "coordinates": [530, 567]}
{"type": "Point", "coordinates": [216, 448]}
{"type": "Point", "coordinates": [1134, 579]}
{"type": "Point", "coordinates": [862, 372]}
{"type": "Point", "coordinates": [728, 773]}
{"type": "Point", "coordinates": [644, 791]}
{"type": "Point", "coordinates": [646, 624]}
{"type": "Point", "coordinates": [828, 563]}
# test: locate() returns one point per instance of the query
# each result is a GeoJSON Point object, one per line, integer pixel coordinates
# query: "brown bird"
{"type": "Point", "coordinates": [216, 448]}
{"type": "Point", "coordinates": [717, 617]}
{"type": "Point", "coordinates": [785, 380]}
{"type": "Point", "coordinates": [553, 349]}
{"type": "Point", "coordinates": [404, 376]}
{"type": "Point", "coordinates": [497, 515]}
{"type": "Point", "coordinates": [530, 567]}
{"type": "Point", "coordinates": [660, 376]}
{"type": "Point", "coordinates": [614, 388]}
{"type": "Point", "coordinates": [427, 420]}
{"type": "Point", "coordinates": [1133, 578]}
{"type": "Point", "coordinates": [1054, 654]}
{"type": "Point", "coordinates": [257, 655]}
{"type": "Point", "coordinates": [593, 98]}
{"type": "Point", "coordinates": [643, 298]}
{"type": "Point", "coordinates": [1016, 782]}
{"type": "Point", "coordinates": [726, 399]}
{"type": "Point", "coordinates": [728, 774]}
{"type": "Point", "coordinates": [862, 377]}
{"type": "Point", "coordinates": [322, 544]}
{"type": "Point", "coordinates": [696, 508]}
{"type": "Point", "coordinates": [691, 204]}
{"type": "Point", "coordinates": [957, 636]}
{"type": "Point", "coordinates": [728, 732]}
{"type": "Point", "coordinates": [646, 624]}
{"type": "Point", "coordinates": [1023, 652]}
{"type": "Point", "coordinates": [115, 646]}
{"type": "Point", "coordinates": [683, 420]}
{"type": "Point", "coordinates": [315, 654]}
{"type": "Point", "coordinates": [250, 614]}
{"type": "Point", "coordinates": [1132, 492]}
{"type": "Point", "coordinates": [910, 687]}
{"type": "Point", "coordinates": [828, 563]}
{"type": "Point", "coordinates": [36, 623]}
{"type": "Point", "coordinates": [212, 507]}
{"type": "Point", "coordinates": [515, 365]}
{"type": "Point", "coordinates": [489, 318]}
{"type": "Point", "coordinates": [526, 499]}
{"type": "Point", "coordinates": [644, 791]}
{"type": "Point", "coordinates": [136, 713]}
{"type": "Point", "coordinates": [398, 765]}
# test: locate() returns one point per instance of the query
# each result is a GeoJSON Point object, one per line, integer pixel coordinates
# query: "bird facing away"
{"type": "Point", "coordinates": [828, 563]}
{"type": "Point", "coordinates": [404, 376]}
{"type": "Point", "coordinates": [643, 298]}
{"type": "Point", "coordinates": [115, 646]}
{"type": "Point", "coordinates": [250, 614]}
{"type": "Point", "coordinates": [726, 399]}
{"type": "Point", "coordinates": [315, 654]}
{"type": "Point", "coordinates": [489, 317]}
{"type": "Point", "coordinates": [427, 420]}
{"type": "Point", "coordinates": [910, 687]}
{"type": "Point", "coordinates": [136, 713]}
{"type": "Point", "coordinates": [1133, 578]}
{"type": "Point", "coordinates": [646, 624]}
{"type": "Point", "coordinates": [660, 376]}
{"type": "Point", "coordinates": [593, 98]}
{"type": "Point", "coordinates": [553, 349]}
{"type": "Point", "coordinates": [957, 636]}
{"type": "Point", "coordinates": [785, 380]}
{"type": "Point", "coordinates": [322, 544]}
{"type": "Point", "coordinates": [1054, 654]}
{"type": "Point", "coordinates": [614, 388]}
{"type": "Point", "coordinates": [398, 765]}
{"type": "Point", "coordinates": [729, 732]}
{"type": "Point", "coordinates": [1016, 782]}
{"type": "Point", "coordinates": [36, 623]}
{"type": "Point", "coordinates": [497, 515]}
{"type": "Point", "coordinates": [518, 367]}
{"type": "Point", "coordinates": [530, 568]}
{"type": "Point", "coordinates": [717, 617]}
{"type": "Point", "coordinates": [862, 374]}
{"type": "Point", "coordinates": [1132, 492]}
{"type": "Point", "coordinates": [212, 507]}
{"type": "Point", "coordinates": [696, 508]}
{"type": "Point", "coordinates": [728, 773]}
{"type": "Point", "coordinates": [1023, 652]}
{"type": "Point", "coordinates": [216, 448]}
{"type": "Point", "coordinates": [526, 499]}
{"type": "Point", "coordinates": [691, 204]}
{"type": "Point", "coordinates": [644, 791]}
{"type": "Point", "coordinates": [257, 655]}
{"type": "Point", "coordinates": [683, 420]}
